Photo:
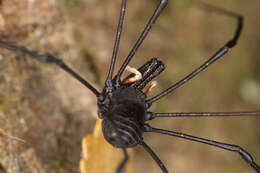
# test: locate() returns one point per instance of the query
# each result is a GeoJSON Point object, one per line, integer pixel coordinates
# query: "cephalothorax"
{"type": "Point", "coordinates": [123, 105]}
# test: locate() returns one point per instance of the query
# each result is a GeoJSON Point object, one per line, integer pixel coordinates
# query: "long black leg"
{"type": "Point", "coordinates": [124, 161]}
{"type": "Point", "coordinates": [49, 59]}
{"type": "Point", "coordinates": [155, 157]}
{"type": "Point", "coordinates": [211, 60]}
{"type": "Point", "coordinates": [243, 153]}
{"type": "Point", "coordinates": [146, 30]}
{"type": "Point", "coordinates": [116, 45]}
{"type": "Point", "coordinates": [151, 115]}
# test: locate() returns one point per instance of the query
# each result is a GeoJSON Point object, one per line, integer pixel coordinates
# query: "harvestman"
{"type": "Point", "coordinates": [123, 105]}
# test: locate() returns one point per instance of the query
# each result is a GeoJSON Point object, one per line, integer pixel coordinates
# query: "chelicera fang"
{"type": "Point", "coordinates": [123, 105]}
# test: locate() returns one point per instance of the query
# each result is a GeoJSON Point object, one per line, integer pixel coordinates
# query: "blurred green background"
{"type": "Point", "coordinates": [48, 109]}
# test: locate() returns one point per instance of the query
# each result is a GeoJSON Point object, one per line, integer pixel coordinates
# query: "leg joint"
{"type": "Point", "coordinates": [164, 1]}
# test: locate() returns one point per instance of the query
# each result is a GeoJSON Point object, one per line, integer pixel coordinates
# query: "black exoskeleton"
{"type": "Point", "coordinates": [126, 109]}
{"type": "Point", "coordinates": [123, 123]}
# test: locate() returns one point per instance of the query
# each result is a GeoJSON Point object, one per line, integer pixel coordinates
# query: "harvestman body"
{"type": "Point", "coordinates": [123, 105]}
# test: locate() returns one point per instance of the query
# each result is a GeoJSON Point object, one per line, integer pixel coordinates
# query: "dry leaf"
{"type": "Point", "coordinates": [98, 156]}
